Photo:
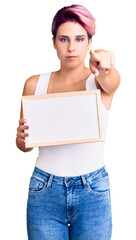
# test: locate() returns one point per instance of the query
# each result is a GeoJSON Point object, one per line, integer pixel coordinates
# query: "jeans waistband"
{"type": "Point", "coordinates": [78, 180]}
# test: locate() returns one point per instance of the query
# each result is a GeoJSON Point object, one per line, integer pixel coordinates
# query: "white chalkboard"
{"type": "Point", "coordinates": [63, 118]}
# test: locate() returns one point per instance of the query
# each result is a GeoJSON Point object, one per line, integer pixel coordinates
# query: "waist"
{"type": "Point", "coordinates": [45, 176]}
{"type": "Point", "coordinates": [71, 160]}
{"type": "Point", "coordinates": [69, 167]}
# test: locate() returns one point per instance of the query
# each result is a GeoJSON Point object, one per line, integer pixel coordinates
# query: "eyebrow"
{"type": "Point", "coordinates": [68, 36]}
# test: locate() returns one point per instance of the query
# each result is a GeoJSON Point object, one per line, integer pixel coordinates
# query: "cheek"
{"type": "Point", "coordinates": [83, 51]}
{"type": "Point", "coordinates": [60, 53]}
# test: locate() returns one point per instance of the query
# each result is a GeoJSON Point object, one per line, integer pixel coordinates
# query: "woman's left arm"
{"type": "Point", "coordinates": [102, 65]}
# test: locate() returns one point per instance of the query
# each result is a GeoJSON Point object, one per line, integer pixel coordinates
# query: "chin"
{"type": "Point", "coordinates": [72, 65]}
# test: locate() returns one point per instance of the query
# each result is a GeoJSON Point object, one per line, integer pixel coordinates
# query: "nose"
{"type": "Point", "coordinates": [71, 46]}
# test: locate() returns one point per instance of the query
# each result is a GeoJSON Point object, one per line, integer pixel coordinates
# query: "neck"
{"type": "Point", "coordinates": [71, 75]}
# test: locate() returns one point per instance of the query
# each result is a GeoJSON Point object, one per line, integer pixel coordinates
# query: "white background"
{"type": "Point", "coordinates": [26, 49]}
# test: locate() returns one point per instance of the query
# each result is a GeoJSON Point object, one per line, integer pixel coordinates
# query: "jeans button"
{"type": "Point", "coordinates": [68, 181]}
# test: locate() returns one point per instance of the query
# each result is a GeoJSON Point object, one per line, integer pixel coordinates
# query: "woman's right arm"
{"type": "Point", "coordinates": [29, 89]}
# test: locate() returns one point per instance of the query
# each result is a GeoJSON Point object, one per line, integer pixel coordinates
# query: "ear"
{"type": "Point", "coordinates": [53, 42]}
{"type": "Point", "coordinates": [89, 44]}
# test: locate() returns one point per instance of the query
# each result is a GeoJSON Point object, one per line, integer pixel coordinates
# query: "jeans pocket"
{"type": "Point", "coordinates": [37, 184]}
{"type": "Point", "coordinates": [99, 186]}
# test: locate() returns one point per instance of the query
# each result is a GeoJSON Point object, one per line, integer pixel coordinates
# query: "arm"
{"type": "Point", "coordinates": [29, 89]}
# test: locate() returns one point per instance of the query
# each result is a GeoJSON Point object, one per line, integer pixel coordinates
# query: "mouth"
{"type": "Point", "coordinates": [71, 57]}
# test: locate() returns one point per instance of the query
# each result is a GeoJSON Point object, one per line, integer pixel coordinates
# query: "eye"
{"type": "Point", "coordinates": [63, 39]}
{"type": "Point", "coordinates": [79, 39]}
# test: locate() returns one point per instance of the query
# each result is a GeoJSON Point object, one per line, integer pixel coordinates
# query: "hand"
{"type": "Point", "coordinates": [21, 130]}
{"type": "Point", "coordinates": [101, 60]}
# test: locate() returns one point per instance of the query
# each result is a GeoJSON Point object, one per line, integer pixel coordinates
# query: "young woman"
{"type": "Point", "coordinates": [69, 191]}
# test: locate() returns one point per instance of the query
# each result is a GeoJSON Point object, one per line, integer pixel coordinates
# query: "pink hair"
{"type": "Point", "coordinates": [76, 13]}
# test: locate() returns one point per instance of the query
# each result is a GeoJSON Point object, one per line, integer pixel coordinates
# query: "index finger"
{"type": "Point", "coordinates": [22, 121]}
{"type": "Point", "coordinates": [94, 56]}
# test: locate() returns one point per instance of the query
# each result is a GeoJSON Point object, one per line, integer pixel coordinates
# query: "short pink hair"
{"type": "Point", "coordinates": [76, 13]}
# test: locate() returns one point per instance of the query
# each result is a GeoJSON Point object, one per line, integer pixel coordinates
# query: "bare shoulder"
{"type": "Point", "coordinates": [30, 85]}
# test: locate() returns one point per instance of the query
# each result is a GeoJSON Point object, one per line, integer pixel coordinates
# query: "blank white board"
{"type": "Point", "coordinates": [63, 118]}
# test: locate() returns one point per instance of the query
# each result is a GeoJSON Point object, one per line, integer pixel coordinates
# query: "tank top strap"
{"type": "Point", "coordinates": [42, 84]}
{"type": "Point", "coordinates": [91, 83]}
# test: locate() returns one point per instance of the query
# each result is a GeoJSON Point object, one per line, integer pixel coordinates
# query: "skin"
{"type": "Point", "coordinates": [72, 40]}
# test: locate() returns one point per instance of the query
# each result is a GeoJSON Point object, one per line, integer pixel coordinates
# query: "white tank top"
{"type": "Point", "coordinates": [71, 159]}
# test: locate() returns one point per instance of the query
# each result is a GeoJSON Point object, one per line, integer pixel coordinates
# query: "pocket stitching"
{"type": "Point", "coordinates": [97, 193]}
{"type": "Point", "coordinates": [37, 177]}
{"type": "Point", "coordinates": [39, 191]}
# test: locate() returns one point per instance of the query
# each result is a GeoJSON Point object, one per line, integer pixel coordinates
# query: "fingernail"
{"type": "Point", "coordinates": [96, 73]}
{"type": "Point", "coordinates": [27, 127]}
{"type": "Point", "coordinates": [27, 134]}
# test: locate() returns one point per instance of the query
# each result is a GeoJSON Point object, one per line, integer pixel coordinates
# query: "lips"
{"type": "Point", "coordinates": [71, 57]}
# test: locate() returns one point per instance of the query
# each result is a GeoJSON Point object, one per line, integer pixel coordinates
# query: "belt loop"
{"type": "Point", "coordinates": [49, 181]}
{"type": "Point", "coordinates": [105, 169]}
{"type": "Point", "coordinates": [84, 181]}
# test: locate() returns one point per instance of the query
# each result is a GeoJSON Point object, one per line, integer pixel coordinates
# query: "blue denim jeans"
{"type": "Point", "coordinates": [74, 208]}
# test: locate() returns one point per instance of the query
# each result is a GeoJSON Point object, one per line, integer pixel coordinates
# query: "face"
{"type": "Point", "coordinates": [71, 44]}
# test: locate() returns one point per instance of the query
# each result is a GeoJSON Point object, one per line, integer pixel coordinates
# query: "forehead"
{"type": "Point", "coordinates": [71, 28]}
